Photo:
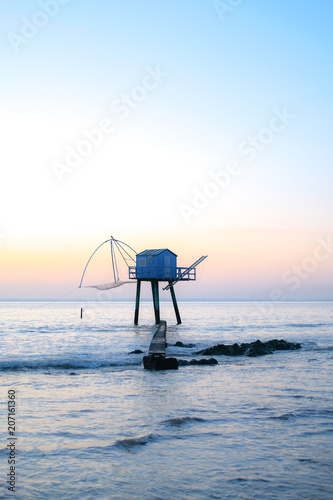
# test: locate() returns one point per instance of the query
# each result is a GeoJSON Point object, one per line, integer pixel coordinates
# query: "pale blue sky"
{"type": "Point", "coordinates": [225, 78]}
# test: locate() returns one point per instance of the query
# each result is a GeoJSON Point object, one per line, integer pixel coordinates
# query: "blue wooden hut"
{"type": "Point", "coordinates": [159, 264]}
{"type": "Point", "coordinates": [156, 265]}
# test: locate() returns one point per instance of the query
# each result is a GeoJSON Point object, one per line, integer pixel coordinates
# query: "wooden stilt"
{"type": "Point", "coordinates": [156, 300]}
{"type": "Point", "coordinates": [137, 302]}
{"type": "Point", "coordinates": [175, 305]}
{"type": "Point", "coordinates": [81, 312]}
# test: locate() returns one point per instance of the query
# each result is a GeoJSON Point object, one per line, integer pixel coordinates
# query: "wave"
{"type": "Point", "coordinates": [307, 325]}
{"type": "Point", "coordinates": [284, 416]}
{"type": "Point", "coordinates": [262, 326]}
{"type": "Point", "coordinates": [179, 421]}
{"type": "Point", "coordinates": [133, 444]}
{"type": "Point", "coordinates": [251, 480]}
{"type": "Point", "coordinates": [304, 413]}
{"type": "Point", "coordinates": [17, 366]}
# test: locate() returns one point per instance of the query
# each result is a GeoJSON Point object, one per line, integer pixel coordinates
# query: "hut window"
{"type": "Point", "coordinates": [150, 259]}
{"type": "Point", "coordinates": [142, 262]}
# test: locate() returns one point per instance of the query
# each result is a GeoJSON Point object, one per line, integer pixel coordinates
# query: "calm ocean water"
{"type": "Point", "coordinates": [91, 423]}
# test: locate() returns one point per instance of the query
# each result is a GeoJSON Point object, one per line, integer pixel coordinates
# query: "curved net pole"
{"type": "Point", "coordinates": [106, 241]}
{"type": "Point", "coordinates": [113, 258]}
{"type": "Point", "coordinates": [91, 256]}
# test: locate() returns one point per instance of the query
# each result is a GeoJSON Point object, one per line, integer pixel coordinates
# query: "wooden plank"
{"type": "Point", "coordinates": [157, 345]}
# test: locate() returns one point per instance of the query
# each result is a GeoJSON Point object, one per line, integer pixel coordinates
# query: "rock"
{"type": "Point", "coordinates": [184, 362]}
{"type": "Point", "coordinates": [258, 349]}
{"type": "Point", "coordinates": [137, 351]}
{"type": "Point", "coordinates": [283, 345]}
{"type": "Point", "coordinates": [160, 363]}
{"type": "Point", "coordinates": [180, 344]}
{"type": "Point", "coordinates": [211, 361]}
{"type": "Point", "coordinates": [251, 349]}
{"type": "Point", "coordinates": [226, 350]}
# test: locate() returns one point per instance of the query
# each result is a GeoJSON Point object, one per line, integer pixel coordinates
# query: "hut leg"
{"type": "Point", "coordinates": [137, 302]}
{"type": "Point", "coordinates": [156, 300]}
{"type": "Point", "coordinates": [175, 305]}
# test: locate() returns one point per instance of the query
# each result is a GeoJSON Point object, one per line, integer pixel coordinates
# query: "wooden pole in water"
{"type": "Point", "coordinates": [81, 312]}
{"type": "Point", "coordinates": [137, 302]}
{"type": "Point", "coordinates": [156, 300]}
{"type": "Point", "coordinates": [175, 305]}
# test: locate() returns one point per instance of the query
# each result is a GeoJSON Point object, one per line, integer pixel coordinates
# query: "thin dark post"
{"type": "Point", "coordinates": [156, 300]}
{"type": "Point", "coordinates": [175, 305]}
{"type": "Point", "coordinates": [81, 312]}
{"type": "Point", "coordinates": [137, 302]}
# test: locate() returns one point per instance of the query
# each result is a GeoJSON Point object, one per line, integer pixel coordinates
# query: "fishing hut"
{"type": "Point", "coordinates": [157, 265]}
{"type": "Point", "coordinates": [153, 265]}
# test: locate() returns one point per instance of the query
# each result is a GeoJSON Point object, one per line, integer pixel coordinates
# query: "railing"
{"type": "Point", "coordinates": [183, 273]}
{"type": "Point", "coordinates": [162, 273]}
{"type": "Point", "coordinates": [132, 272]}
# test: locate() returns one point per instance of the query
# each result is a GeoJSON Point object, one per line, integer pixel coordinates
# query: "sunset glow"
{"type": "Point", "coordinates": [204, 133]}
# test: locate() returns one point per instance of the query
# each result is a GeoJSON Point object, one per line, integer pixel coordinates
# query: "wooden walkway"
{"type": "Point", "coordinates": [157, 345]}
{"type": "Point", "coordinates": [156, 359]}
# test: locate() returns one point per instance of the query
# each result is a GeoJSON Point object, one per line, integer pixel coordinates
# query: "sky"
{"type": "Point", "coordinates": [199, 126]}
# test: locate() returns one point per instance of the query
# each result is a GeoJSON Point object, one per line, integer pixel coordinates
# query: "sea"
{"type": "Point", "coordinates": [89, 422]}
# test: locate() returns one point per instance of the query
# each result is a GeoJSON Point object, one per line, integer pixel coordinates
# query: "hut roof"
{"type": "Point", "coordinates": [155, 252]}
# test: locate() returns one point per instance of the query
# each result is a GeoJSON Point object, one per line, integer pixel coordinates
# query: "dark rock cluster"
{"type": "Point", "coordinates": [181, 344]}
{"type": "Point", "coordinates": [251, 349]}
{"type": "Point", "coordinates": [160, 363]}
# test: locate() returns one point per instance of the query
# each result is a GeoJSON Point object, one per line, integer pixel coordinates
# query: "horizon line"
{"type": "Point", "coordinates": [166, 300]}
